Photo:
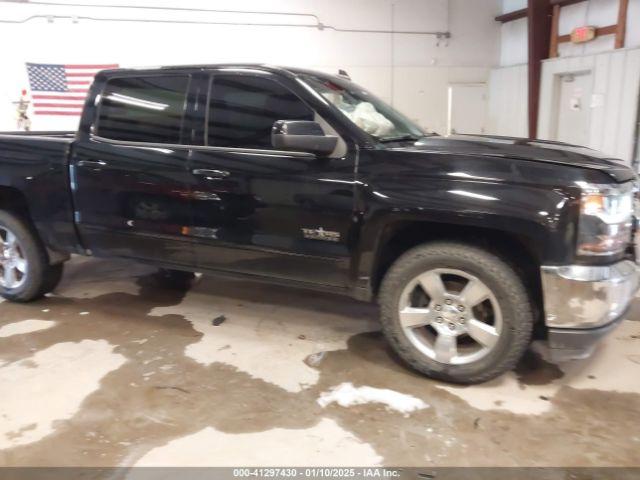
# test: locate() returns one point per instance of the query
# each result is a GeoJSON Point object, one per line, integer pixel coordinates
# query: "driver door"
{"type": "Point", "coordinates": [260, 211]}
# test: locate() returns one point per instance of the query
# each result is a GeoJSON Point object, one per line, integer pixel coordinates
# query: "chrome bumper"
{"type": "Point", "coordinates": [581, 303]}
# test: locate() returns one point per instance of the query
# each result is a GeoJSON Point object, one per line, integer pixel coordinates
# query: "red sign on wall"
{"type": "Point", "coordinates": [583, 34]}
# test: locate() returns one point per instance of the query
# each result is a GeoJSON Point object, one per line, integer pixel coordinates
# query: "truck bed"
{"type": "Point", "coordinates": [50, 134]}
{"type": "Point", "coordinates": [34, 173]}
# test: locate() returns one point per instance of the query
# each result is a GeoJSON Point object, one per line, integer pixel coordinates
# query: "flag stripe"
{"type": "Point", "coordinates": [57, 105]}
{"type": "Point", "coordinates": [72, 82]}
{"type": "Point", "coordinates": [70, 75]}
{"type": "Point", "coordinates": [57, 112]}
{"type": "Point", "coordinates": [57, 97]}
{"type": "Point", "coordinates": [95, 67]}
{"type": "Point", "coordinates": [77, 74]}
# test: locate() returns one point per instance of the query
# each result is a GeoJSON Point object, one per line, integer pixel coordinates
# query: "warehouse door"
{"type": "Point", "coordinates": [573, 108]}
{"type": "Point", "coordinates": [467, 108]}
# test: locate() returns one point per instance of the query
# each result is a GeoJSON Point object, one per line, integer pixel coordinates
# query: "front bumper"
{"type": "Point", "coordinates": [584, 303]}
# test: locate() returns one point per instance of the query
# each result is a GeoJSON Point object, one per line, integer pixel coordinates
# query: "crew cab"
{"type": "Point", "coordinates": [472, 245]}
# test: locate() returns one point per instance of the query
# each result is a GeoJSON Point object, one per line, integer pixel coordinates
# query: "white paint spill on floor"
{"type": "Point", "coordinates": [267, 341]}
{"type": "Point", "coordinates": [611, 368]}
{"type": "Point", "coordinates": [324, 444]}
{"type": "Point", "coordinates": [611, 365]}
{"type": "Point", "coordinates": [346, 395]}
{"type": "Point", "coordinates": [24, 326]}
{"type": "Point", "coordinates": [505, 393]}
{"type": "Point", "coordinates": [50, 386]}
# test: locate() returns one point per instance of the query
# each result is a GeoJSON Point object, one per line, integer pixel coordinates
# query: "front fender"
{"type": "Point", "coordinates": [544, 218]}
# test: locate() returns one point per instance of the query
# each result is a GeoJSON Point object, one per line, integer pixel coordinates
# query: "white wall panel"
{"type": "Point", "coordinates": [600, 83]}
{"type": "Point", "coordinates": [627, 117]}
{"type": "Point", "coordinates": [613, 102]}
{"type": "Point", "coordinates": [514, 42]}
{"type": "Point", "coordinates": [633, 24]}
{"type": "Point", "coordinates": [613, 109]}
{"type": "Point", "coordinates": [513, 5]}
{"type": "Point", "coordinates": [508, 101]}
{"type": "Point", "coordinates": [419, 92]}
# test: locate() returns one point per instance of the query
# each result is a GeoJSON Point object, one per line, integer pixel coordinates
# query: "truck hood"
{"type": "Point", "coordinates": [525, 149]}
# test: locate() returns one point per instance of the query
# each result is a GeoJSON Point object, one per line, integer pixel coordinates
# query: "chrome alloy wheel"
{"type": "Point", "coordinates": [450, 316]}
{"type": "Point", "coordinates": [13, 264]}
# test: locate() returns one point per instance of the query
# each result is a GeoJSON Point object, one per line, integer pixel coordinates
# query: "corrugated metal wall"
{"type": "Point", "coordinates": [508, 101]}
{"type": "Point", "coordinates": [616, 86]}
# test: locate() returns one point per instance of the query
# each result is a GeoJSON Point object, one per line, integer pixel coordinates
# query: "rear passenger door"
{"type": "Point", "coordinates": [130, 178]}
{"type": "Point", "coordinates": [260, 211]}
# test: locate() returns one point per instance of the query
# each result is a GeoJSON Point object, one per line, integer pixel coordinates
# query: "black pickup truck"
{"type": "Point", "coordinates": [471, 245]}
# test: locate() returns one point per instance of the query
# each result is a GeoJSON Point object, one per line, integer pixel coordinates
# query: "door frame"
{"type": "Point", "coordinates": [450, 88]}
{"type": "Point", "coordinates": [350, 154]}
{"type": "Point", "coordinates": [556, 96]}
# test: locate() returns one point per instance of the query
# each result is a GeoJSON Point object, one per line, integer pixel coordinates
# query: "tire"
{"type": "Point", "coordinates": [19, 242]}
{"type": "Point", "coordinates": [52, 278]}
{"type": "Point", "coordinates": [480, 305]}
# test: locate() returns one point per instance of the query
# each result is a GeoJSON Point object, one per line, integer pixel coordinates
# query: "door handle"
{"type": "Point", "coordinates": [92, 163]}
{"type": "Point", "coordinates": [203, 172]}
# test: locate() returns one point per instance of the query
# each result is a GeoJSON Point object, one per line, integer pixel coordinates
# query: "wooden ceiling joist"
{"type": "Point", "coordinates": [621, 27]}
{"type": "Point", "coordinates": [565, 3]}
{"type": "Point", "coordinates": [511, 16]}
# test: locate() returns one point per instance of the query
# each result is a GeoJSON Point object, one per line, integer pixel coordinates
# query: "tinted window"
{"type": "Point", "coordinates": [242, 110]}
{"type": "Point", "coordinates": [146, 109]}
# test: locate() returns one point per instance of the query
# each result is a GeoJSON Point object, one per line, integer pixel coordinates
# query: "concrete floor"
{"type": "Point", "coordinates": [115, 370]}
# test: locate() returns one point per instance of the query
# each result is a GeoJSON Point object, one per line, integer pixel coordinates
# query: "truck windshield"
{"type": "Point", "coordinates": [364, 109]}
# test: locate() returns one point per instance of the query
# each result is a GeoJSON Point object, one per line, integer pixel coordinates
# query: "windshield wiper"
{"type": "Point", "coordinates": [398, 138]}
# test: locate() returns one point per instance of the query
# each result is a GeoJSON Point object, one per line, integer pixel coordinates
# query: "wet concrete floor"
{"type": "Point", "coordinates": [116, 370]}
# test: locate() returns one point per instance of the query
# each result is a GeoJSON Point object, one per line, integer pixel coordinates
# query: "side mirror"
{"type": "Point", "coordinates": [302, 136]}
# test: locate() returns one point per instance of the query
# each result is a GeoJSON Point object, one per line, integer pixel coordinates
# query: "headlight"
{"type": "Point", "coordinates": [606, 215]}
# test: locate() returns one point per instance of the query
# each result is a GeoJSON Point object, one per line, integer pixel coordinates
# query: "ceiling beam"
{"type": "Point", "coordinates": [539, 15]}
{"type": "Point", "coordinates": [555, 35]}
{"type": "Point", "coordinates": [621, 28]}
{"type": "Point", "coordinates": [511, 16]}
{"type": "Point", "coordinates": [564, 3]}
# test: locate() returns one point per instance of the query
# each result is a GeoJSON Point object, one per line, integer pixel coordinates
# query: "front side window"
{"type": "Point", "coordinates": [143, 109]}
{"type": "Point", "coordinates": [243, 108]}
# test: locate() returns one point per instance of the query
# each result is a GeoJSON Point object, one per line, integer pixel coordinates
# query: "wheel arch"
{"type": "Point", "coordinates": [14, 201]}
{"type": "Point", "coordinates": [518, 250]}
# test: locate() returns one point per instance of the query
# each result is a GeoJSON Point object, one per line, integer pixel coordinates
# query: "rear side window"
{"type": "Point", "coordinates": [144, 109]}
{"type": "Point", "coordinates": [242, 110]}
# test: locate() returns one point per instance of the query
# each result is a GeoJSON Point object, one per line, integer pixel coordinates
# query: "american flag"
{"type": "Point", "coordinates": [61, 89]}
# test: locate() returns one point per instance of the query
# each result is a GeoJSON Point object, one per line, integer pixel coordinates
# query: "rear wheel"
{"type": "Point", "coordinates": [25, 273]}
{"type": "Point", "coordinates": [456, 312]}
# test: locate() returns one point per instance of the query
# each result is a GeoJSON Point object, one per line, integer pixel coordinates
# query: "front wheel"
{"type": "Point", "coordinates": [456, 312]}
